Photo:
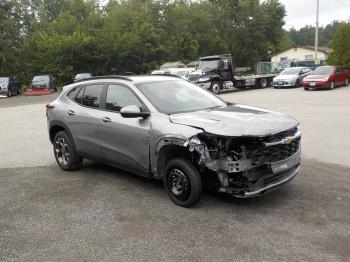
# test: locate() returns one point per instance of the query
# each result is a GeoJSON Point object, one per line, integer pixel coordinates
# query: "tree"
{"type": "Point", "coordinates": [341, 45]}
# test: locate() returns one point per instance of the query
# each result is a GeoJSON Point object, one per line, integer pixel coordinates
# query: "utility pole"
{"type": "Point", "coordinates": [316, 33]}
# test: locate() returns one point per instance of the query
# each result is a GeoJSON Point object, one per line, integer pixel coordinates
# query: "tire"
{"type": "Point", "coordinates": [347, 82]}
{"type": "Point", "coordinates": [262, 83]}
{"type": "Point", "coordinates": [9, 92]}
{"type": "Point", "coordinates": [332, 85]}
{"type": "Point", "coordinates": [64, 152]}
{"type": "Point", "coordinates": [297, 83]}
{"type": "Point", "coordinates": [182, 182]}
{"type": "Point", "coordinates": [19, 91]}
{"type": "Point", "coordinates": [215, 87]}
{"type": "Point", "coordinates": [306, 88]}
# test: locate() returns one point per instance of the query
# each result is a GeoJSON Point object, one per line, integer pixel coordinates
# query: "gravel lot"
{"type": "Point", "coordinates": [102, 214]}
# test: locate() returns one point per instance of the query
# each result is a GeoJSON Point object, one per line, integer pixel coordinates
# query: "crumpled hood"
{"type": "Point", "coordinates": [237, 120]}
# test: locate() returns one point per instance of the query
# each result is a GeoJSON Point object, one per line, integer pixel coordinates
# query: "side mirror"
{"type": "Point", "coordinates": [133, 111]}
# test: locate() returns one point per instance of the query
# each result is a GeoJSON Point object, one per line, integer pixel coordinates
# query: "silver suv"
{"type": "Point", "coordinates": [166, 128]}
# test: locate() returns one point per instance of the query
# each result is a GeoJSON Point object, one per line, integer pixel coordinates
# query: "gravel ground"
{"type": "Point", "coordinates": [100, 213]}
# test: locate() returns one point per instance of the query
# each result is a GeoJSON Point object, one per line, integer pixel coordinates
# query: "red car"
{"type": "Point", "coordinates": [327, 77]}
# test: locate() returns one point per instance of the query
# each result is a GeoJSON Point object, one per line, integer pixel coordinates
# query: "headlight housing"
{"type": "Point", "coordinates": [203, 79]}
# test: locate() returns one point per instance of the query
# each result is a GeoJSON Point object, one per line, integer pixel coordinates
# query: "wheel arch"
{"type": "Point", "coordinates": [171, 150]}
{"type": "Point", "coordinates": [57, 126]}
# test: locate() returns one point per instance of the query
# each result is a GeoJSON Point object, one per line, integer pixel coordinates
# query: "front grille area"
{"type": "Point", "coordinates": [194, 77]}
{"type": "Point", "coordinates": [255, 149]}
{"type": "Point", "coordinates": [282, 151]}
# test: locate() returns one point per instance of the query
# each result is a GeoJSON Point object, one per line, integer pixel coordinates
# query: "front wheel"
{"type": "Point", "coordinates": [215, 88]}
{"type": "Point", "coordinates": [182, 182]}
{"type": "Point", "coordinates": [19, 91]}
{"type": "Point", "coordinates": [347, 82]}
{"type": "Point", "coordinates": [332, 85]}
{"type": "Point", "coordinates": [64, 151]}
{"type": "Point", "coordinates": [9, 92]}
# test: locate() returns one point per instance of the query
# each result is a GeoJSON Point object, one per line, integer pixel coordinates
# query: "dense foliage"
{"type": "Point", "coordinates": [305, 36]}
{"type": "Point", "coordinates": [64, 37]}
{"type": "Point", "coordinates": [341, 46]}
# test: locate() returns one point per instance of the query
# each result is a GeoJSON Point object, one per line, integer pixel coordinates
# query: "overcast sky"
{"type": "Point", "coordinates": [303, 12]}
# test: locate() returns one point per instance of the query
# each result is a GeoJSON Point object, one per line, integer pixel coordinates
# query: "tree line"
{"type": "Point", "coordinates": [65, 37]}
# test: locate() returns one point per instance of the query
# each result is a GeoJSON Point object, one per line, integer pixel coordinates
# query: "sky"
{"type": "Point", "coordinates": [303, 12]}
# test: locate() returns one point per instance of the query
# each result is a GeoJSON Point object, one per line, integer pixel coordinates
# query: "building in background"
{"type": "Point", "coordinates": [305, 53]}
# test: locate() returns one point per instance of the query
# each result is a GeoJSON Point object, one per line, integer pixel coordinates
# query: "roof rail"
{"type": "Point", "coordinates": [105, 77]}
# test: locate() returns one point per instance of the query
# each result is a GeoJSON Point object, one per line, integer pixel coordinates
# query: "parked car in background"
{"type": "Point", "coordinates": [44, 82]}
{"type": "Point", "coordinates": [190, 141]}
{"type": "Point", "coordinates": [9, 86]}
{"type": "Point", "coordinates": [327, 77]}
{"type": "Point", "coordinates": [291, 77]}
{"type": "Point", "coordinates": [81, 76]}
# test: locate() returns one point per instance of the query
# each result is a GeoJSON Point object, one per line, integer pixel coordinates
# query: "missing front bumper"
{"type": "Point", "coordinates": [281, 172]}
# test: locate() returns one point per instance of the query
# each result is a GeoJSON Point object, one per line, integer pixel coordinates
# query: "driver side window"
{"type": "Point", "coordinates": [120, 96]}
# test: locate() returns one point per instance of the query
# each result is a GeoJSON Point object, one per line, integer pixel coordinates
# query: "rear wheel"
{"type": "Point", "coordinates": [215, 87]}
{"type": "Point", "coordinates": [64, 151]}
{"type": "Point", "coordinates": [182, 182]}
{"type": "Point", "coordinates": [306, 88]}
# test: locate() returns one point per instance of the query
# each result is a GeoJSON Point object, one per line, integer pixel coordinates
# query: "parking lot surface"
{"type": "Point", "coordinates": [100, 213]}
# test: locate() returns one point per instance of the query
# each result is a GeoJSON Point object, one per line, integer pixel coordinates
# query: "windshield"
{"type": "Point", "coordinates": [83, 75]}
{"type": "Point", "coordinates": [176, 96]}
{"type": "Point", "coordinates": [4, 80]}
{"type": "Point", "coordinates": [326, 70]}
{"type": "Point", "coordinates": [209, 64]}
{"type": "Point", "coordinates": [290, 71]}
{"type": "Point", "coordinates": [41, 79]}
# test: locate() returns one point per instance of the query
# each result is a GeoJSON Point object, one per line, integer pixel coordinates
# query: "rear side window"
{"type": "Point", "coordinates": [92, 96]}
{"type": "Point", "coordinates": [79, 97]}
{"type": "Point", "coordinates": [120, 96]}
{"type": "Point", "coordinates": [73, 93]}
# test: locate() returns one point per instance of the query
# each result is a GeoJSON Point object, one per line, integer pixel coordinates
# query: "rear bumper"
{"type": "Point", "coordinates": [38, 91]}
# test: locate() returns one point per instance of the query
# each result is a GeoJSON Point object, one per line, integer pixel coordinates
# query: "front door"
{"type": "Point", "coordinates": [124, 141]}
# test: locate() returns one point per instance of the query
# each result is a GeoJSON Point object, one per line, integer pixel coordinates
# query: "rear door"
{"type": "Point", "coordinates": [124, 141]}
{"type": "Point", "coordinates": [83, 116]}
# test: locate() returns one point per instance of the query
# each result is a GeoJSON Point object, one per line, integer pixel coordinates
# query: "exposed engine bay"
{"type": "Point", "coordinates": [242, 164]}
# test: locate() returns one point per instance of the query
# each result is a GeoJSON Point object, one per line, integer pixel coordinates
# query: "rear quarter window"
{"type": "Point", "coordinates": [73, 93]}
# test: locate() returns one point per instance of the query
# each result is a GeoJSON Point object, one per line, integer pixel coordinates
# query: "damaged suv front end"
{"type": "Point", "coordinates": [248, 166]}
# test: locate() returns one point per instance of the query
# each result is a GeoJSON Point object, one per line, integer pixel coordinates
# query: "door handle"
{"type": "Point", "coordinates": [70, 112]}
{"type": "Point", "coordinates": [106, 119]}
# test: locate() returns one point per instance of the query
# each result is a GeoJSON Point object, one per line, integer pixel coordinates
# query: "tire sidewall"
{"type": "Point", "coordinates": [215, 87]}
{"type": "Point", "coordinates": [332, 85]}
{"type": "Point", "coordinates": [192, 177]}
{"type": "Point", "coordinates": [74, 160]}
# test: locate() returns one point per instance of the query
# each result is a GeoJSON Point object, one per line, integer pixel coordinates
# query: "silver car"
{"type": "Point", "coordinates": [291, 77]}
{"type": "Point", "coordinates": [166, 128]}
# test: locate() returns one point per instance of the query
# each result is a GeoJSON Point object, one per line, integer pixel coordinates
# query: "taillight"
{"type": "Point", "coordinates": [48, 106]}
